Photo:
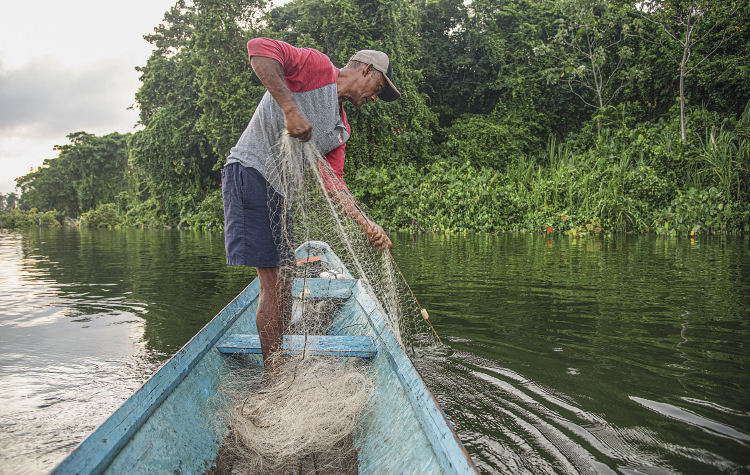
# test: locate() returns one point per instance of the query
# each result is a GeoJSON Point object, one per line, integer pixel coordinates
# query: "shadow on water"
{"type": "Point", "coordinates": [597, 355]}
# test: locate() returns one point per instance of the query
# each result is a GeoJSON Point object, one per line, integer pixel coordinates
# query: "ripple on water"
{"type": "Point", "coordinates": [618, 355]}
{"type": "Point", "coordinates": [85, 317]}
{"type": "Point", "coordinates": [511, 423]}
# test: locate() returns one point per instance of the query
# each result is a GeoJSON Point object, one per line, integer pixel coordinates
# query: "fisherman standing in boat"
{"type": "Point", "coordinates": [305, 95]}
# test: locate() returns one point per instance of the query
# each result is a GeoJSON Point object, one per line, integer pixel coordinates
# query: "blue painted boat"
{"type": "Point", "coordinates": [166, 426]}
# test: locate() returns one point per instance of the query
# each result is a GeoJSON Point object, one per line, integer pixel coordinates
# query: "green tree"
{"type": "Point", "coordinates": [11, 199]}
{"type": "Point", "coordinates": [478, 59]}
{"type": "Point", "coordinates": [680, 26]}
{"type": "Point", "coordinates": [592, 56]}
{"type": "Point", "coordinates": [175, 158]}
{"type": "Point", "coordinates": [227, 90]}
{"type": "Point", "coordinates": [88, 172]}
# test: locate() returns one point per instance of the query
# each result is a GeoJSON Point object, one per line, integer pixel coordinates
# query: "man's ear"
{"type": "Point", "coordinates": [368, 70]}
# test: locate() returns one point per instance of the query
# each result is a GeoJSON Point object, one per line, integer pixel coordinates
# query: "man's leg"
{"type": "Point", "coordinates": [254, 233]}
{"type": "Point", "coordinates": [274, 310]}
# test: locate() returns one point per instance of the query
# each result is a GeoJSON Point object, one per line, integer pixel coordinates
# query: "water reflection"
{"type": "Point", "coordinates": [85, 317]}
{"type": "Point", "coordinates": [692, 418]}
{"type": "Point", "coordinates": [510, 423]}
{"type": "Point", "coordinates": [606, 355]}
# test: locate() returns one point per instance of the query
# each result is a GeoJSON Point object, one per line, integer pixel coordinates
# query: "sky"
{"type": "Point", "coordinates": [67, 67]}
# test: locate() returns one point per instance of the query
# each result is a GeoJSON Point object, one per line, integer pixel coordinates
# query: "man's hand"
{"type": "Point", "coordinates": [377, 238]}
{"type": "Point", "coordinates": [297, 124]}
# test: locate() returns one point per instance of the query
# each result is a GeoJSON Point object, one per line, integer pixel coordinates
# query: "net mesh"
{"type": "Point", "coordinates": [317, 217]}
{"type": "Point", "coordinates": [302, 418]}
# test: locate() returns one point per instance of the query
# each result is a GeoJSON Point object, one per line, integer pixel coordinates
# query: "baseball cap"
{"type": "Point", "coordinates": [380, 62]}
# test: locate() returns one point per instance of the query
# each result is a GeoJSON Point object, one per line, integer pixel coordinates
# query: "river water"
{"type": "Point", "coordinates": [625, 354]}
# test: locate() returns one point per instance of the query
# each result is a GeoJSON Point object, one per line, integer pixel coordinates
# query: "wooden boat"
{"type": "Point", "coordinates": [166, 426]}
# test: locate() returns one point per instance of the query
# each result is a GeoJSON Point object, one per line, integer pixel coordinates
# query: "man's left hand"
{"type": "Point", "coordinates": [377, 238]}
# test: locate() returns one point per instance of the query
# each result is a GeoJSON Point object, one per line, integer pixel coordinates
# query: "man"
{"type": "Point", "coordinates": [305, 95]}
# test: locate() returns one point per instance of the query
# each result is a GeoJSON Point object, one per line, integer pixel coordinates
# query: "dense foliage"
{"type": "Point", "coordinates": [88, 172]}
{"type": "Point", "coordinates": [19, 218]}
{"type": "Point", "coordinates": [618, 178]}
{"type": "Point", "coordinates": [570, 115]}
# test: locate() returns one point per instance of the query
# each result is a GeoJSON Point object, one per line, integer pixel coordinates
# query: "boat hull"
{"type": "Point", "coordinates": [168, 426]}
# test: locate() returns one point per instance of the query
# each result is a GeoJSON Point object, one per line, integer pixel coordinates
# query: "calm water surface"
{"type": "Point", "coordinates": [600, 355]}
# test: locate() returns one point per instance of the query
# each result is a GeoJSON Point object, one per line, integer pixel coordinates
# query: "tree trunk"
{"type": "Point", "coordinates": [682, 100]}
{"type": "Point", "coordinates": [685, 57]}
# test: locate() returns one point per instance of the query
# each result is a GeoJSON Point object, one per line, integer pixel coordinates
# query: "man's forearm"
{"type": "Point", "coordinates": [271, 74]}
{"type": "Point", "coordinates": [375, 234]}
{"type": "Point", "coordinates": [344, 203]}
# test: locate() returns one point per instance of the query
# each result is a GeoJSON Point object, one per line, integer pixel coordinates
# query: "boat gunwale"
{"type": "Point", "coordinates": [431, 416]}
{"type": "Point", "coordinates": [95, 453]}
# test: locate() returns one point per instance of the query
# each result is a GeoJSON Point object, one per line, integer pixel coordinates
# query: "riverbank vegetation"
{"type": "Point", "coordinates": [564, 116]}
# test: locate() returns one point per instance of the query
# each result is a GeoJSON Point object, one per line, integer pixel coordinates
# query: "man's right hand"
{"type": "Point", "coordinates": [297, 125]}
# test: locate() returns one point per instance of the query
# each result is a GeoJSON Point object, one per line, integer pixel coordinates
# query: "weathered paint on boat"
{"type": "Point", "coordinates": [167, 426]}
{"type": "Point", "coordinates": [323, 345]}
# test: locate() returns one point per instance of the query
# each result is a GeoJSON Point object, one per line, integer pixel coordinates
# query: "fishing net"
{"type": "Point", "coordinates": [308, 177]}
{"type": "Point", "coordinates": [301, 417]}
{"type": "Point", "coordinates": [298, 421]}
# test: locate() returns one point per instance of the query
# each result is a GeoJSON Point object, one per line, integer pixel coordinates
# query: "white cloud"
{"type": "Point", "coordinates": [18, 155]}
{"type": "Point", "coordinates": [46, 99]}
{"type": "Point", "coordinates": [67, 67]}
{"type": "Point", "coordinates": [78, 32]}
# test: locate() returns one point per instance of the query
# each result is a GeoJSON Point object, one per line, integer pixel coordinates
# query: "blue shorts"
{"type": "Point", "coordinates": [254, 220]}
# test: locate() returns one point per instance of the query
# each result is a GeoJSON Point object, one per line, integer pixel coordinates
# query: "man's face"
{"type": "Point", "coordinates": [370, 83]}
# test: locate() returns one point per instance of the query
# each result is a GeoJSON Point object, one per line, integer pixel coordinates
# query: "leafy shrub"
{"type": "Point", "coordinates": [148, 214]}
{"type": "Point", "coordinates": [210, 213]}
{"type": "Point", "coordinates": [105, 215]}
{"type": "Point", "coordinates": [740, 219]}
{"type": "Point", "coordinates": [694, 212]}
{"type": "Point", "coordinates": [489, 140]}
{"type": "Point", "coordinates": [724, 154]}
{"type": "Point", "coordinates": [17, 218]}
{"type": "Point", "coordinates": [449, 196]}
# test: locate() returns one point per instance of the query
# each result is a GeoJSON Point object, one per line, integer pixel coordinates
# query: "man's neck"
{"type": "Point", "coordinates": [342, 83]}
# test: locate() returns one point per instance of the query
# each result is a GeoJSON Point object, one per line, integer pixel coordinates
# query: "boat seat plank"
{"type": "Point", "coordinates": [323, 288]}
{"type": "Point", "coordinates": [320, 345]}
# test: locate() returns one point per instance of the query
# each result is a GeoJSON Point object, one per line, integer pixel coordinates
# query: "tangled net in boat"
{"type": "Point", "coordinates": [304, 419]}
{"type": "Point", "coordinates": [301, 421]}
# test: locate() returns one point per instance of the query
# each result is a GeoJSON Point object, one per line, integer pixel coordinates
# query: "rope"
{"type": "Point", "coordinates": [423, 311]}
